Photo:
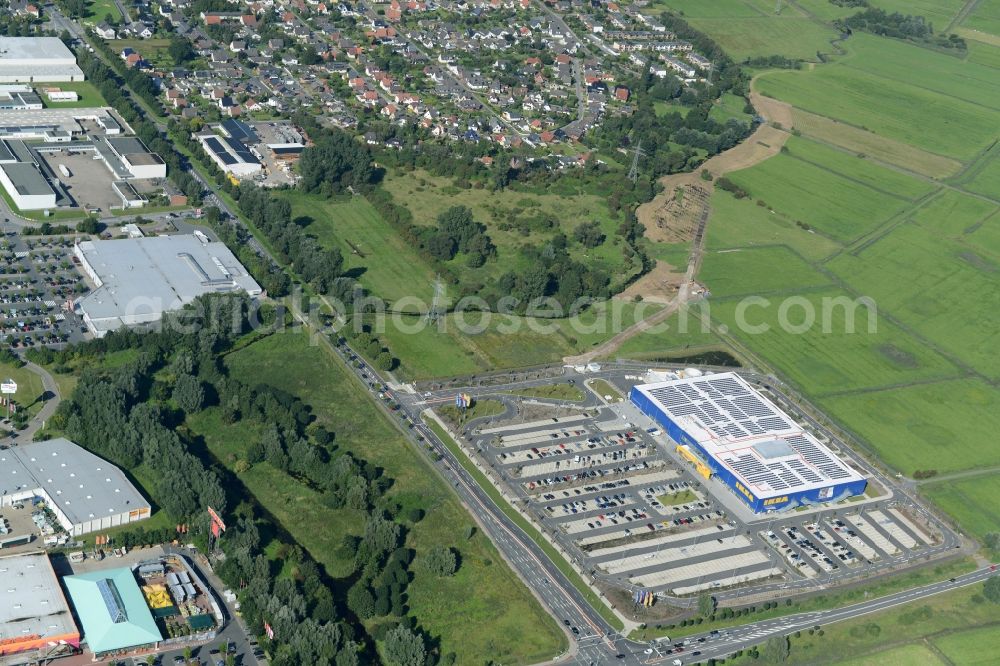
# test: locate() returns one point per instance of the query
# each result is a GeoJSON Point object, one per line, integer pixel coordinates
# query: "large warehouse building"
{"type": "Point", "coordinates": [112, 611]}
{"type": "Point", "coordinates": [734, 433]}
{"type": "Point", "coordinates": [86, 493]}
{"type": "Point", "coordinates": [35, 620]}
{"type": "Point", "coordinates": [37, 60]}
{"type": "Point", "coordinates": [26, 185]}
{"type": "Point", "coordinates": [138, 279]}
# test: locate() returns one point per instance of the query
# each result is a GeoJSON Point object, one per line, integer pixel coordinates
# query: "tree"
{"type": "Point", "coordinates": [991, 589]}
{"type": "Point", "coordinates": [992, 541]}
{"type": "Point", "coordinates": [589, 234]}
{"type": "Point", "coordinates": [776, 650]}
{"type": "Point", "coordinates": [404, 648]}
{"type": "Point", "coordinates": [441, 246]}
{"type": "Point", "coordinates": [90, 225]}
{"type": "Point", "coordinates": [180, 50]}
{"type": "Point", "coordinates": [360, 600]}
{"type": "Point", "coordinates": [441, 561]}
{"type": "Point", "coordinates": [706, 605]}
{"type": "Point", "coordinates": [188, 393]}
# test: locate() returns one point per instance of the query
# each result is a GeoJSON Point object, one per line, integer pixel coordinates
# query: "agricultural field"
{"type": "Point", "coordinates": [969, 648]}
{"type": "Point", "coordinates": [682, 334]}
{"type": "Point", "coordinates": [835, 206]}
{"type": "Point", "coordinates": [746, 272]}
{"type": "Point", "coordinates": [938, 281]}
{"type": "Point", "coordinates": [972, 501]}
{"type": "Point", "coordinates": [924, 118]}
{"type": "Point", "coordinates": [936, 425]}
{"type": "Point", "coordinates": [514, 219]}
{"type": "Point", "coordinates": [834, 353]}
{"type": "Point", "coordinates": [986, 180]}
{"type": "Point", "coordinates": [905, 655]}
{"type": "Point", "coordinates": [373, 251]}
{"type": "Point", "coordinates": [857, 140]}
{"type": "Point", "coordinates": [483, 608]}
{"type": "Point", "coordinates": [985, 17]}
{"type": "Point", "coordinates": [938, 12]}
{"type": "Point", "coordinates": [739, 223]}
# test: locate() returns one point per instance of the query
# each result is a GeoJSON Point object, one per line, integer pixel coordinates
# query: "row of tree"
{"type": "Point", "coordinates": [900, 26]}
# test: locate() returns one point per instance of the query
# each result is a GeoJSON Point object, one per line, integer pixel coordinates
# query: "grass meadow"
{"type": "Point", "coordinates": [484, 608]}
{"type": "Point", "coordinates": [972, 501]}
{"type": "Point", "coordinates": [985, 17]}
{"type": "Point", "coordinates": [937, 425]}
{"type": "Point", "coordinates": [751, 271]}
{"type": "Point", "coordinates": [903, 655]}
{"type": "Point", "coordinates": [834, 205]}
{"type": "Point", "coordinates": [824, 362]}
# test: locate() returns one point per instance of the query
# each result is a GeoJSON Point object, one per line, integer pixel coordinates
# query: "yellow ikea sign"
{"type": "Point", "coordinates": [749, 495]}
{"type": "Point", "coordinates": [776, 500]}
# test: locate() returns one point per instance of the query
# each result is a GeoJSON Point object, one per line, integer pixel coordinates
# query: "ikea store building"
{"type": "Point", "coordinates": [734, 433]}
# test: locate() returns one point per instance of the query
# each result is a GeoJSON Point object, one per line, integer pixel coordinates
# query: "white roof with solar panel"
{"type": "Point", "coordinates": [749, 435]}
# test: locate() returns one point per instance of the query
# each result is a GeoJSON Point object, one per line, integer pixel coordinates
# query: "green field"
{"type": "Point", "coordinates": [373, 252]}
{"type": "Point", "coordinates": [969, 648]}
{"type": "Point", "coordinates": [682, 497]}
{"type": "Point", "coordinates": [752, 271]}
{"type": "Point", "coordinates": [836, 206]}
{"type": "Point", "coordinates": [747, 28]}
{"type": "Point", "coordinates": [985, 16]}
{"type": "Point", "coordinates": [729, 107]}
{"type": "Point", "coordinates": [905, 655]}
{"type": "Point", "coordinates": [833, 354]}
{"type": "Point", "coordinates": [281, 495]}
{"type": "Point", "coordinates": [98, 9]}
{"type": "Point", "coordinates": [427, 196]}
{"type": "Point", "coordinates": [926, 275]}
{"type": "Point", "coordinates": [681, 334]}
{"type": "Point", "coordinates": [484, 608]}
{"type": "Point", "coordinates": [738, 223]}
{"type": "Point", "coordinates": [926, 426]}
{"type": "Point", "coordinates": [972, 501]}
{"type": "Point", "coordinates": [894, 109]}
{"type": "Point", "coordinates": [90, 96]}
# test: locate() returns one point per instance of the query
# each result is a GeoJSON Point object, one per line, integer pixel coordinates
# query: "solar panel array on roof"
{"type": "Point", "coordinates": [240, 150]}
{"type": "Point", "coordinates": [748, 434]}
{"type": "Point", "coordinates": [216, 147]}
{"type": "Point", "coordinates": [240, 131]}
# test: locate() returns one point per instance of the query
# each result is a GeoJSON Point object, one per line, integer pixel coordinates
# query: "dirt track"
{"type": "Point", "coordinates": [669, 219]}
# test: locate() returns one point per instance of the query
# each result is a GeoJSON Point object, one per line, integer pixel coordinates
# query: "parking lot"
{"type": "Point", "coordinates": [37, 278]}
{"type": "Point", "coordinates": [610, 488]}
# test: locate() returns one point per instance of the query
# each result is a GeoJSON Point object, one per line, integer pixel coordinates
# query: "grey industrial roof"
{"type": "Point", "coordinates": [82, 485]}
{"type": "Point", "coordinates": [749, 434]}
{"type": "Point", "coordinates": [5, 154]}
{"type": "Point", "coordinates": [31, 601]}
{"type": "Point", "coordinates": [143, 277]}
{"type": "Point", "coordinates": [27, 179]}
{"type": "Point", "coordinates": [37, 56]}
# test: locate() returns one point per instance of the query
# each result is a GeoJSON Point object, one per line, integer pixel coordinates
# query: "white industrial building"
{"type": "Point", "coordinates": [138, 279]}
{"type": "Point", "coordinates": [135, 156]}
{"type": "Point", "coordinates": [232, 156]}
{"type": "Point", "coordinates": [85, 492]}
{"type": "Point", "coordinates": [37, 60]}
{"type": "Point", "coordinates": [26, 185]}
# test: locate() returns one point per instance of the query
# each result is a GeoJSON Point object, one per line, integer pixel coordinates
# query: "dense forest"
{"type": "Point", "coordinates": [133, 414]}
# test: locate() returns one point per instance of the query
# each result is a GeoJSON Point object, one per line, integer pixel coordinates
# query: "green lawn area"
{"type": "Point", "coordinates": [832, 353]}
{"type": "Point", "coordinates": [904, 655]}
{"type": "Point", "coordinates": [484, 609]}
{"type": "Point", "coordinates": [974, 501]}
{"type": "Point", "coordinates": [554, 391]}
{"type": "Point", "coordinates": [98, 9]}
{"type": "Point", "coordinates": [29, 387]}
{"type": "Point", "coordinates": [835, 206]}
{"type": "Point", "coordinates": [926, 426]}
{"type": "Point", "coordinates": [480, 409]}
{"type": "Point", "coordinates": [373, 252]}
{"type": "Point", "coordinates": [729, 107]}
{"type": "Point", "coordinates": [682, 334]}
{"type": "Point", "coordinates": [978, 646]}
{"type": "Point", "coordinates": [604, 389]}
{"type": "Point", "coordinates": [90, 96]}
{"type": "Point", "coordinates": [754, 271]}
{"type": "Point", "coordinates": [672, 499]}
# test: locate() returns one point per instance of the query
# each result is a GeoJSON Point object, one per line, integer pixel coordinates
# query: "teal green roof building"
{"type": "Point", "coordinates": [112, 610]}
